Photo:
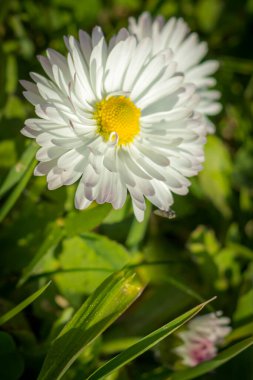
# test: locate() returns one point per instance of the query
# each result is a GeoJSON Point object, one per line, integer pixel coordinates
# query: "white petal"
{"type": "Point", "coordinates": [139, 56]}
{"type": "Point", "coordinates": [174, 114]}
{"type": "Point", "coordinates": [117, 64]}
{"type": "Point", "coordinates": [85, 45]}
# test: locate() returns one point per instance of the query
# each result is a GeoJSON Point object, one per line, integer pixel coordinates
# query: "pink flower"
{"type": "Point", "coordinates": [202, 337]}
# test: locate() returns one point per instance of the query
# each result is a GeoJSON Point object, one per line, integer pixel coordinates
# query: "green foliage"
{"type": "Point", "coordinates": [19, 169]}
{"type": "Point", "coordinates": [16, 310]}
{"type": "Point", "coordinates": [87, 220]}
{"type": "Point", "coordinates": [205, 251]}
{"type": "Point", "coordinates": [11, 200]}
{"type": "Point", "coordinates": [99, 311]}
{"type": "Point", "coordinates": [144, 344]}
{"type": "Point", "coordinates": [85, 261]}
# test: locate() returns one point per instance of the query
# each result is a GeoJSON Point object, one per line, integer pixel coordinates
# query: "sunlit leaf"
{"type": "Point", "coordinates": [100, 310]}
{"type": "Point", "coordinates": [86, 252]}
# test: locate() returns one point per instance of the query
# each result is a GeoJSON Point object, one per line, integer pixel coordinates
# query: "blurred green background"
{"type": "Point", "coordinates": [206, 250]}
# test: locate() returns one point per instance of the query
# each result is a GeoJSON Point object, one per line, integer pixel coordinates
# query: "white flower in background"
{"type": "Point", "coordinates": [213, 325]}
{"type": "Point", "coordinates": [117, 118]}
{"type": "Point", "coordinates": [202, 338]}
{"type": "Point", "coordinates": [194, 352]}
{"type": "Point", "coordinates": [188, 54]}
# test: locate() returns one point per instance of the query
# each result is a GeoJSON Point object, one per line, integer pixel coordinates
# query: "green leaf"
{"type": "Point", "coordinates": [87, 220]}
{"type": "Point", "coordinates": [90, 252]}
{"type": "Point", "coordinates": [110, 250]}
{"type": "Point", "coordinates": [17, 172]}
{"type": "Point", "coordinates": [48, 246]}
{"type": "Point", "coordinates": [145, 344]}
{"type": "Point", "coordinates": [99, 311]}
{"type": "Point", "coordinates": [208, 366]}
{"type": "Point", "coordinates": [11, 200]}
{"type": "Point", "coordinates": [17, 309]}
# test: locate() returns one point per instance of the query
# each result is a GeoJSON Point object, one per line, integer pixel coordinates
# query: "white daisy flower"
{"type": "Point", "coordinates": [201, 339]}
{"type": "Point", "coordinates": [188, 54]}
{"type": "Point", "coordinates": [117, 118]}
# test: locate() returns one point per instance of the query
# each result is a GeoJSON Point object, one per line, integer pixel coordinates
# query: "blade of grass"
{"type": "Point", "coordinates": [173, 281]}
{"type": "Point", "coordinates": [145, 344]}
{"type": "Point", "coordinates": [49, 245]}
{"type": "Point", "coordinates": [99, 311]}
{"type": "Point", "coordinates": [184, 288]}
{"type": "Point", "coordinates": [240, 333]}
{"type": "Point", "coordinates": [13, 197]}
{"type": "Point", "coordinates": [19, 169]}
{"type": "Point", "coordinates": [74, 223]}
{"type": "Point", "coordinates": [17, 309]}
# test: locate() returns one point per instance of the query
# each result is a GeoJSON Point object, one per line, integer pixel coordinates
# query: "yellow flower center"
{"type": "Point", "coordinates": [118, 117]}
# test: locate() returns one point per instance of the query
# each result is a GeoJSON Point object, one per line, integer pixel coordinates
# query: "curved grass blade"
{"type": "Point", "coordinates": [208, 366]}
{"type": "Point", "coordinates": [99, 311]}
{"type": "Point", "coordinates": [18, 170]}
{"type": "Point", "coordinates": [145, 344]}
{"type": "Point", "coordinates": [240, 333]}
{"type": "Point", "coordinates": [75, 223]}
{"type": "Point", "coordinates": [184, 288]}
{"type": "Point", "coordinates": [13, 197]}
{"type": "Point", "coordinates": [17, 309]}
{"type": "Point", "coordinates": [49, 245]}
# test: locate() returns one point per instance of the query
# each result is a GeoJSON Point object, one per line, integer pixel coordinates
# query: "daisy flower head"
{"type": "Point", "coordinates": [117, 118]}
{"type": "Point", "coordinates": [202, 338]}
{"type": "Point", "coordinates": [194, 352]}
{"type": "Point", "coordinates": [214, 326]}
{"type": "Point", "coordinates": [189, 53]}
